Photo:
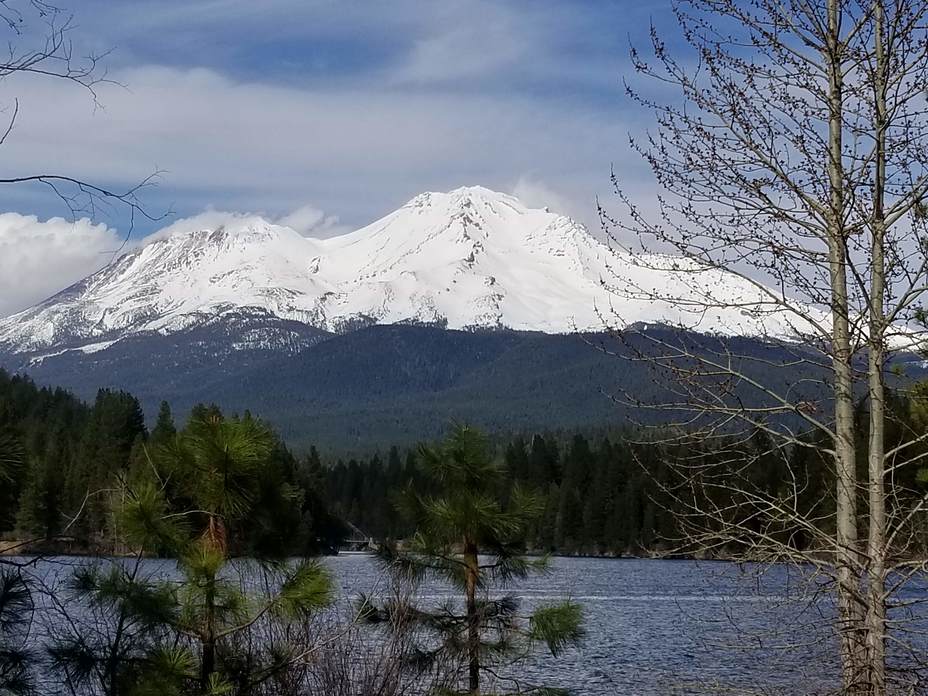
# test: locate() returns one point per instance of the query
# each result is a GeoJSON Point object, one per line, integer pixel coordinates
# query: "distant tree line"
{"type": "Point", "coordinates": [607, 493]}
{"type": "Point", "coordinates": [599, 496]}
{"type": "Point", "coordinates": [620, 493]}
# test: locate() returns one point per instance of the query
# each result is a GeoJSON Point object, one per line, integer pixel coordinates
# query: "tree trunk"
{"type": "Point", "coordinates": [876, 542]}
{"type": "Point", "coordinates": [115, 657]}
{"type": "Point", "coordinates": [208, 651]}
{"type": "Point", "coordinates": [849, 608]}
{"type": "Point", "coordinates": [207, 664]}
{"type": "Point", "coordinates": [473, 618]}
{"type": "Point", "coordinates": [215, 536]}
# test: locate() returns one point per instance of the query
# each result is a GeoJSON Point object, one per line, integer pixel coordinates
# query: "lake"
{"type": "Point", "coordinates": [668, 627]}
{"type": "Point", "coordinates": [655, 626]}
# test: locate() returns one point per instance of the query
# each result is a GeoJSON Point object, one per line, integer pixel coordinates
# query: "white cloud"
{"type": "Point", "coordinates": [39, 258]}
{"type": "Point", "coordinates": [309, 221]}
{"type": "Point", "coordinates": [537, 194]}
{"type": "Point", "coordinates": [359, 152]}
{"type": "Point", "coordinates": [469, 49]}
{"type": "Point", "coordinates": [207, 220]}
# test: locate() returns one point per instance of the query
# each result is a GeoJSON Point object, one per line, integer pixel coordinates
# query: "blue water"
{"type": "Point", "coordinates": [669, 627]}
{"type": "Point", "coordinates": [653, 627]}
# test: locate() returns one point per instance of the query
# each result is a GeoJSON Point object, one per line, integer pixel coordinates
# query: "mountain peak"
{"type": "Point", "coordinates": [465, 197]}
{"type": "Point", "coordinates": [470, 257]}
{"type": "Point", "coordinates": [217, 227]}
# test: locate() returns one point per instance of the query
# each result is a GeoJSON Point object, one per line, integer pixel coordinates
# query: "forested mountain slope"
{"type": "Point", "coordinates": [399, 383]}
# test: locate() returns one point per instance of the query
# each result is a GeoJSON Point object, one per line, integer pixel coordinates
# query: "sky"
{"type": "Point", "coordinates": [321, 114]}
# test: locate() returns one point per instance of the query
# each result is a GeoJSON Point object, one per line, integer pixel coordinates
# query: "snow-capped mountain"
{"type": "Point", "coordinates": [468, 258]}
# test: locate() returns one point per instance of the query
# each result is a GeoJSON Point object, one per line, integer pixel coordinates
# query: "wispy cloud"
{"type": "Point", "coordinates": [309, 221]}
{"type": "Point", "coordinates": [252, 146]}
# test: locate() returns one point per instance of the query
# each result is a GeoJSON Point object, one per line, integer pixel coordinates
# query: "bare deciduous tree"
{"type": "Point", "coordinates": [40, 47]}
{"type": "Point", "coordinates": [790, 153]}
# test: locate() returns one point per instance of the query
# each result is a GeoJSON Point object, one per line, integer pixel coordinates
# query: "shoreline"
{"type": "Point", "coordinates": [69, 549]}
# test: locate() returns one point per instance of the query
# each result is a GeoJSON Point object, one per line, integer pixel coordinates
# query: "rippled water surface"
{"type": "Point", "coordinates": [653, 627]}
{"type": "Point", "coordinates": [669, 627]}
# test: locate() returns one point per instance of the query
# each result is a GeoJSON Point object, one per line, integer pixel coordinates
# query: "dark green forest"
{"type": "Point", "coordinates": [399, 384]}
{"type": "Point", "coordinates": [600, 495]}
{"type": "Point", "coordinates": [604, 493]}
{"type": "Point", "coordinates": [75, 455]}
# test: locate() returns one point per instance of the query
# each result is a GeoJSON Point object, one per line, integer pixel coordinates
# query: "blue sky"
{"type": "Point", "coordinates": [345, 108]}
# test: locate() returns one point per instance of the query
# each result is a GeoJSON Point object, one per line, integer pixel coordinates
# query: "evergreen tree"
{"type": "Point", "coordinates": [16, 608]}
{"type": "Point", "coordinates": [17, 676]}
{"type": "Point", "coordinates": [40, 514]}
{"type": "Point", "coordinates": [575, 484]}
{"type": "Point", "coordinates": [320, 529]}
{"type": "Point", "coordinates": [190, 636]}
{"type": "Point", "coordinates": [116, 423]}
{"type": "Point", "coordinates": [464, 536]}
{"type": "Point", "coordinates": [12, 463]}
{"type": "Point", "coordinates": [221, 461]}
{"type": "Point", "coordinates": [544, 462]}
{"type": "Point", "coordinates": [164, 428]}
{"type": "Point", "coordinates": [546, 531]}
{"type": "Point", "coordinates": [120, 639]}
{"type": "Point", "coordinates": [517, 461]}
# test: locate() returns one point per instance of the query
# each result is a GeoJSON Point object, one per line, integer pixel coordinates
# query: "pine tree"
{"type": "Point", "coordinates": [12, 463]}
{"type": "Point", "coordinates": [517, 462]}
{"type": "Point", "coordinates": [16, 608]}
{"type": "Point", "coordinates": [116, 424]}
{"type": "Point", "coordinates": [544, 462]}
{"type": "Point", "coordinates": [322, 530]}
{"type": "Point", "coordinates": [137, 635]}
{"type": "Point", "coordinates": [40, 513]}
{"type": "Point", "coordinates": [463, 536]}
{"type": "Point", "coordinates": [120, 639]}
{"type": "Point", "coordinates": [164, 428]}
{"type": "Point", "coordinates": [220, 461]}
{"type": "Point", "coordinates": [17, 677]}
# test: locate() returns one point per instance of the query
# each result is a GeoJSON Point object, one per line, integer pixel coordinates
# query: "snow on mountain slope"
{"type": "Point", "coordinates": [468, 258]}
{"type": "Point", "coordinates": [175, 281]}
